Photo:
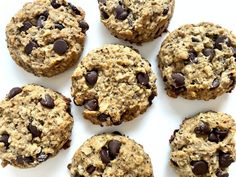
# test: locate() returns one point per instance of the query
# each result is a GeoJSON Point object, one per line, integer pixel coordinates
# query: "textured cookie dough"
{"type": "Point", "coordinates": [35, 124]}
{"type": "Point", "coordinates": [136, 20]}
{"type": "Point", "coordinates": [46, 37]}
{"type": "Point", "coordinates": [110, 155]}
{"type": "Point", "coordinates": [204, 145]}
{"type": "Point", "coordinates": [198, 61]}
{"type": "Point", "coordinates": [114, 83]}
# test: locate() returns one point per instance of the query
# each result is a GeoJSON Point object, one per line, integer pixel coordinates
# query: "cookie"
{"type": "Point", "coordinates": [198, 61]}
{"type": "Point", "coordinates": [110, 155]}
{"type": "Point", "coordinates": [114, 83]}
{"type": "Point", "coordinates": [136, 21]}
{"type": "Point", "coordinates": [46, 37]}
{"type": "Point", "coordinates": [204, 145]}
{"type": "Point", "coordinates": [35, 124]}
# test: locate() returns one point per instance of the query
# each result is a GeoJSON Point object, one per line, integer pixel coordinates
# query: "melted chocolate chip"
{"type": "Point", "coordinates": [203, 128]}
{"type": "Point", "coordinates": [47, 101]}
{"type": "Point", "coordinates": [209, 53]}
{"type": "Point", "coordinates": [114, 148]}
{"type": "Point", "coordinates": [24, 160]}
{"type": "Point", "coordinates": [220, 40]}
{"type": "Point", "coordinates": [192, 57]}
{"type": "Point", "coordinates": [4, 139]}
{"type": "Point", "coordinates": [90, 169]}
{"type": "Point", "coordinates": [26, 25]}
{"type": "Point", "coordinates": [66, 145]}
{"type": "Point", "coordinates": [59, 26]}
{"type": "Point", "coordinates": [104, 155]}
{"type": "Point", "coordinates": [173, 135]}
{"type": "Point", "coordinates": [103, 117]}
{"type": "Point", "coordinates": [225, 160]}
{"type": "Point", "coordinates": [194, 39]}
{"type": "Point", "coordinates": [55, 4]}
{"type": "Point", "coordinates": [151, 97]}
{"type": "Point", "coordinates": [217, 135]}
{"type": "Point", "coordinates": [117, 133]}
{"type": "Point", "coordinates": [30, 46]}
{"type": "Point", "coordinates": [34, 131]}
{"type": "Point", "coordinates": [14, 91]}
{"type": "Point", "coordinates": [91, 77]}
{"type": "Point", "coordinates": [84, 26]}
{"type": "Point", "coordinates": [121, 13]}
{"type": "Point", "coordinates": [60, 46]}
{"type": "Point", "coordinates": [143, 79]}
{"type": "Point", "coordinates": [104, 15]}
{"type": "Point", "coordinates": [165, 11]}
{"type": "Point", "coordinates": [215, 84]}
{"type": "Point", "coordinates": [74, 9]}
{"type": "Point", "coordinates": [42, 157]}
{"type": "Point", "coordinates": [179, 79]}
{"type": "Point", "coordinates": [199, 167]}
{"type": "Point", "coordinates": [91, 105]}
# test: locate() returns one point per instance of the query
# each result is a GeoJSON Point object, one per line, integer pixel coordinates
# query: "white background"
{"type": "Point", "coordinates": [154, 128]}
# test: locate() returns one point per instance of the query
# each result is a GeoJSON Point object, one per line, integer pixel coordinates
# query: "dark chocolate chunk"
{"type": "Point", "coordinates": [220, 40]}
{"type": "Point", "coordinates": [34, 131]}
{"type": "Point", "coordinates": [47, 101]}
{"type": "Point", "coordinates": [60, 46]}
{"type": "Point", "coordinates": [14, 91]}
{"type": "Point", "coordinates": [179, 79]}
{"type": "Point", "coordinates": [59, 26]}
{"type": "Point", "coordinates": [114, 148]}
{"type": "Point", "coordinates": [91, 105]}
{"type": "Point", "coordinates": [30, 47]}
{"type": "Point", "coordinates": [217, 135]}
{"type": "Point", "coordinates": [55, 4]}
{"type": "Point", "coordinates": [91, 77]}
{"type": "Point", "coordinates": [143, 79]}
{"type": "Point", "coordinates": [225, 160]}
{"type": "Point", "coordinates": [209, 53]}
{"type": "Point", "coordinates": [103, 117]}
{"type": "Point", "coordinates": [90, 169]}
{"type": "Point", "coordinates": [203, 128]}
{"type": "Point", "coordinates": [74, 9]}
{"type": "Point", "coordinates": [104, 155]}
{"type": "Point", "coordinates": [26, 25]}
{"type": "Point", "coordinates": [121, 13]}
{"type": "Point", "coordinates": [199, 167]}
{"type": "Point", "coordinates": [42, 157]}
{"type": "Point", "coordinates": [84, 26]}
{"type": "Point", "coordinates": [4, 139]}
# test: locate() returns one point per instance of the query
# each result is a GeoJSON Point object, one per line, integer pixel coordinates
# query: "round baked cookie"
{"type": "Point", "coordinates": [35, 124]}
{"type": "Point", "coordinates": [46, 37]}
{"type": "Point", "coordinates": [198, 61]}
{"type": "Point", "coordinates": [204, 145]}
{"type": "Point", "coordinates": [114, 83]}
{"type": "Point", "coordinates": [136, 20]}
{"type": "Point", "coordinates": [110, 155]}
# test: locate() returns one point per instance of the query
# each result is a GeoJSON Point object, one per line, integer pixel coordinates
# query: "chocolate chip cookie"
{"type": "Point", "coordinates": [198, 61]}
{"type": "Point", "coordinates": [114, 83]}
{"type": "Point", "coordinates": [35, 124]}
{"type": "Point", "coordinates": [136, 20]}
{"type": "Point", "coordinates": [110, 155]}
{"type": "Point", "coordinates": [46, 37]}
{"type": "Point", "coordinates": [204, 145]}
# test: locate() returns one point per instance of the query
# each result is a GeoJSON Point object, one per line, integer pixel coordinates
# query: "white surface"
{"type": "Point", "coordinates": [154, 128]}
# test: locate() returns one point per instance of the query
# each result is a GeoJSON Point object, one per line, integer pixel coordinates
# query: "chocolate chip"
{"type": "Point", "coordinates": [192, 56]}
{"type": "Point", "coordinates": [30, 46]}
{"type": "Point", "coordinates": [60, 46]}
{"type": "Point", "coordinates": [42, 157]}
{"type": "Point", "coordinates": [179, 79]}
{"type": "Point", "coordinates": [55, 5]}
{"type": "Point", "coordinates": [215, 84]}
{"type": "Point", "coordinates": [104, 155]}
{"type": "Point", "coordinates": [234, 52]}
{"type": "Point", "coordinates": [91, 77]}
{"type": "Point", "coordinates": [203, 128]}
{"type": "Point", "coordinates": [26, 25]}
{"type": "Point", "coordinates": [217, 135]}
{"type": "Point", "coordinates": [194, 39]}
{"type": "Point", "coordinates": [102, 1]}
{"type": "Point", "coordinates": [103, 117]}
{"type": "Point", "coordinates": [66, 145]}
{"type": "Point", "coordinates": [4, 139]}
{"type": "Point", "coordinates": [222, 174]}
{"type": "Point", "coordinates": [221, 133]}
{"type": "Point", "coordinates": [84, 26]}
{"type": "Point", "coordinates": [165, 11]}
{"type": "Point", "coordinates": [43, 17]}
{"type": "Point", "coordinates": [151, 97]}
{"type": "Point", "coordinates": [91, 105]}
{"type": "Point", "coordinates": [34, 131]}
{"type": "Point", "coordinates": [23, 160]}
{"type": "Point", "coordinates": [143, 79]}
{"type": "Point", "coordinates": [209, 53]}
{"type": "Point", "coordinates": [74, 9]}
{"type": "Point", "coordinates": [199, 167]}
{"type": "Point", "coordinates": [213, 137]}
{"type": "Point", "coordinates": [220, 40]}
{"type": "Point", "coordinates": [47, 101]}
{"type": "Point", "coordinates": [90, 169]}
{"type": "Point", "coordinates": [114, 148]}
{"type": "Point", "coordinates": [173, 135]}
{"type": "Point", "coordinates": [174, 163]}
{"type": "Point", "coordinates": [104, 15]}
{"type": "Point", "coordinates": [59, 26]}
{"type": "Point", "coordinates": [121, 13]}
{"type": "Point", "coordinates": [78, 175]}
{"type": "Point", "coordinates": [117, 133]}
{"type": "Point", "coordinates": [14, 91]}
{"type": "Point", "coordinates": [225, 160]}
